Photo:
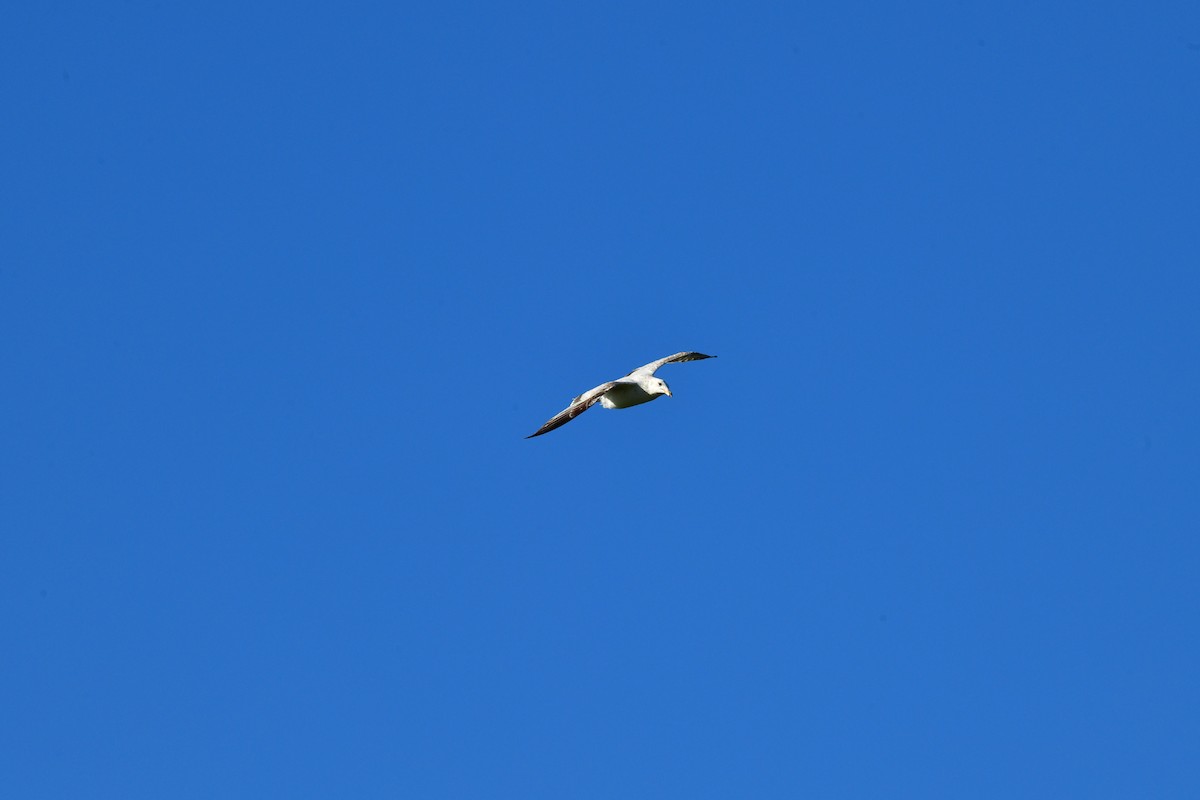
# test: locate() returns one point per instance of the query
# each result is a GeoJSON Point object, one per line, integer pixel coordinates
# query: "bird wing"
{"type": "Point", "coordinates": [578, 406]}
{"type": "Point", "coordinates": [650, 368]}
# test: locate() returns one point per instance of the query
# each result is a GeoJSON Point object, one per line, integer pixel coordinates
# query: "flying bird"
{"type": "Point", "coordinates": [639, 386]}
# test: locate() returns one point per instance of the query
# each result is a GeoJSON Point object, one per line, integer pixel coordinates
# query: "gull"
{"type": "Point", "coordinates": [639, 386]}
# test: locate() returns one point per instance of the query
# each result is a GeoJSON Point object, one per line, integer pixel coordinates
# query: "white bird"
{"type": "Point", "coordinates": [639, 386]}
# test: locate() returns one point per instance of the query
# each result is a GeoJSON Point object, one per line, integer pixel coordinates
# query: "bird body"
{"type": "Point", "coordinates": [639, 386]}
{"type": "Point", "coordinates": [629, 392]}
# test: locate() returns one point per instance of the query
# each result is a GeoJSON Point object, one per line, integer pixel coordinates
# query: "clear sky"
{"type": "Point", "coordinates": [282, 290]}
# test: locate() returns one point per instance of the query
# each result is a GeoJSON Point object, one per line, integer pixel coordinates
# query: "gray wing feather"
{"type": "Point", "coordinates": [578, 406]}
{"type": "Point", "coordinates": [650, 368]}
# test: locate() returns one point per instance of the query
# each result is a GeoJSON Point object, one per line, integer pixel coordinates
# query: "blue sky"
{"type": "Point", "coordinates": [283, 289]}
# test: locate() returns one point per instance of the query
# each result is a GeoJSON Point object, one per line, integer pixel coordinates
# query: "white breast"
{"type": "Point", "coordinates": [624, 395]}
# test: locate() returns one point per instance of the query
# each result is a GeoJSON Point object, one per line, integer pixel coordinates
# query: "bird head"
{"type": "Point", "coordinates": [662, 387]}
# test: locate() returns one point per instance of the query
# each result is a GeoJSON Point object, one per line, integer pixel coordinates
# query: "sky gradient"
{"type": "Point", "coordinates": [282, 290]}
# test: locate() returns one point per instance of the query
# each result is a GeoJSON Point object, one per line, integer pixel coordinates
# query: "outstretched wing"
{"type": "Point", "coordinates": [654, 365]}
{"type": "Point", "coordinates": [578, 406]}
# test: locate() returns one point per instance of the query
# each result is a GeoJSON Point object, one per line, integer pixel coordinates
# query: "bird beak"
{"type": "Point", "coordinates": [669, 392]}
